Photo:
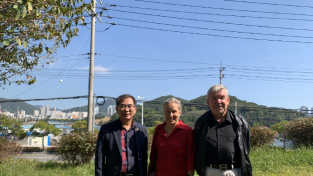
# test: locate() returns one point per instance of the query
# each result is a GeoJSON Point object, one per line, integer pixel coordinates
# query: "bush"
{"type": "Point", "coordinates": [7, 149]}
{"type": "Point", "coordinates": [77, 148]}
{"type": "Point", "coordinates": [31, 149]}
{"type": "Point", "coordinates": [300, 132]}
{"type": "Point", "coordinates": [261, 135]}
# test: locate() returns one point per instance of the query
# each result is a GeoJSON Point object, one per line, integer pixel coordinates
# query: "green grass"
{"type": "Point", "coordinates": [275, 161]}
{"type": "Point", "coordinates": [265, 161]}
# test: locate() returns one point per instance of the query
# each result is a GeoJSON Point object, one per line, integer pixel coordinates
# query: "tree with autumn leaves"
{"type": "Point", "coordinates": [31, 31]}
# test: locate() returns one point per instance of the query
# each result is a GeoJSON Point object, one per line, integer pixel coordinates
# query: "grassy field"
{"type": "Point", "coordinates": [265, 161]}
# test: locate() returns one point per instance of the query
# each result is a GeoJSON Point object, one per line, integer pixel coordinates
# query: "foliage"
{"type": "Point", "coordinates": [7, 149]}
{"type": "Point", "coordinates": [31, 30]}
{"type": "Point", "coordinates": [13, 125]}
{"type": "Point", "coordinates": [81, 126]}
{"type": "Point", "coordinates": [48, 128]}
{"type": "Point", "coordinates": [281, 129]}
{"type": "Point", "coordinates": [254, 113]}
{"type": "Point", "coordinates": [12, 106]}
{"type": "Point", "coordinates": [261, 135]}
{"type": "Point", "coordinates": [300, 132]}
{"type": "Point", "coordinates": [77, 148]}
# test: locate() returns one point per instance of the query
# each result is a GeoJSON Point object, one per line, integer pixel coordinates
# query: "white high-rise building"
{"type": "Point", "coordinates": [42, 111]}
{"type": "Point", "coordinates": [47, 110]}
{"type": "Point", "coordinates": [23, 112]}
{"type": "Point", "coordinates": [111, 110]}
{"type": "Point", "coordinates": [304, 110]}
{"type": "Point", "coordinates": [36, 113]}
{"type": "Point", "coordinates": [96, 110]}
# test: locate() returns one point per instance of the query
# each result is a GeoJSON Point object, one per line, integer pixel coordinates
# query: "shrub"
{"type": "Point", "coordinates": [281, 129]}
{"type": "Point", "coordinates": [77, 148]}
{"type": "Point", "coordinates": [261, 135]}
{"type": "Point", "coordinates": [31, 149]}
{"type": "Point", "coordinates": [300, 132]}
{"type": "Point", "coordinates": [7, 149]}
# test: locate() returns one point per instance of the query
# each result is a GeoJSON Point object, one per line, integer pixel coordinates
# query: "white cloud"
{"type": "Point", "coordinates": [97, 68]}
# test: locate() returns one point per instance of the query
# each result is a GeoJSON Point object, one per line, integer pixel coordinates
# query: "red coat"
{"type": "Point", "coordinates": [176, 154]}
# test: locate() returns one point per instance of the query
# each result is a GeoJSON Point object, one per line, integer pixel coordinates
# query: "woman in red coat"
{"type": "Point", "coordinates": [173, 145]}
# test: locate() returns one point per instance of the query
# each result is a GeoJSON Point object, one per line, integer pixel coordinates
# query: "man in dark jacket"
{"type": "Point", "coordinates": [122, 144]}
{"type": "Point", "coordinates": [222, 138]}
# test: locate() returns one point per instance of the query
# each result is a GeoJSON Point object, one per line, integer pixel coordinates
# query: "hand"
{"type": "Point", "coordinates": [229, 173]}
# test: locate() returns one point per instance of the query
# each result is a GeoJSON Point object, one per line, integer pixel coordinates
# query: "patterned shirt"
{"type": "Point", "coordinates": [128, 147]}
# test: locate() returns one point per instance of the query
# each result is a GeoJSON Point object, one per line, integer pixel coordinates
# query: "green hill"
{"type": "Point", "coordinates": [12, 107]}
{"type": "Point", "coordinates": [194, 108]}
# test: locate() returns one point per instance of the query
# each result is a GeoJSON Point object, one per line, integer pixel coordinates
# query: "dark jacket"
{"type": "Point", "coordinates": [243, 133]}
{"type": "Point", "coordinates": [108, 158]}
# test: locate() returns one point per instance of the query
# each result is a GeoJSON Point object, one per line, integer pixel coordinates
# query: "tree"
{"type": "Point", "coordinates": [47, 128]}
{"type": "Point", "coordinates": [31, 30]}
{"type": "Point", "coordinates": [281, 129]}
{"type": "Point", "coordinates": [15, 126]}
{"type": "Point", "coordinates": [81, 126]}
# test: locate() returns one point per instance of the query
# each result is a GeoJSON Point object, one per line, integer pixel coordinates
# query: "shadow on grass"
{"type": "Point", "coordinates": [54, 165]}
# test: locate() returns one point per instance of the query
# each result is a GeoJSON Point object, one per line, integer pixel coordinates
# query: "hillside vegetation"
{"type": "Point", "coordinates": [254, 113]}
{"type": "Point", "coordinates": [12, 107]}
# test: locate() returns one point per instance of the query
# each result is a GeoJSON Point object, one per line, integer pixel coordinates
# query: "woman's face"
{"type": "Point", "coordinates": [171, 113]}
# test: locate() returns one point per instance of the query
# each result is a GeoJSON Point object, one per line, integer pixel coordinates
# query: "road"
{"type": "Point", "coordinates": [43, 157]}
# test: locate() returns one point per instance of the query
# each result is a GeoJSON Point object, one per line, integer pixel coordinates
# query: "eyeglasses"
{"type": "Point", "coordinates": [123, 106]}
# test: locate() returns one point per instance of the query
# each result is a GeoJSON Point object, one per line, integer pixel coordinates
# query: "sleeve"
{"type": "Point", "coordinates": [100, 154]}
{"type": "Point", "coordinates": [145, 154]}
{"type": "Point", "coordinates": [248, 140]}
{"type": "Point", "coordinates": [191, 150]}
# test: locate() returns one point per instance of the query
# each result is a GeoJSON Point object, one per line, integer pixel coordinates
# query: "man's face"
{"type": "Point", "coordinates": [218, 102]}
{"type": "Point", "coordinates": [126, 109]}
{"type": "Point", "coordinates": [171, 113]}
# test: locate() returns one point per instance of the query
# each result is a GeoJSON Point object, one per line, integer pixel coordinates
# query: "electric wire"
{"type": "Point", "coordinates": [217, 14]}
{"type": "Point", "coordinates": [215, 35]}
{"type": "Point", "coordinates": [216, 8]}
{"type": "Point", "coordinates": [219, 22]}
{"type": "Point", "coordinates": [220, 30]}
{"type": "Point", "coordinates": [265, 3]}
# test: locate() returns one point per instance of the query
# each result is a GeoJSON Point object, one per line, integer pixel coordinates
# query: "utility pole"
{"type": "Point", "coordinates": [235, 107]}
{"type": "Point", "coordinates": [141, 109]}
{"type": "Point", "coordinates": [91, 67]}
{"type": "Point", "coordinates": [221, 75]}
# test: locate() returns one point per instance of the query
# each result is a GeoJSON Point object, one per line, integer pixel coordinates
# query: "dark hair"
{"type": "Point", "coordinates": [124, 96]}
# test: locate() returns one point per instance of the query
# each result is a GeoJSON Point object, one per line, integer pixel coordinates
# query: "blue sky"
{"type": "Point", "coordinates": [270, 73]}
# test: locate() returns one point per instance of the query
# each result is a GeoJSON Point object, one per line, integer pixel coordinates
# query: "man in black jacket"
{"type": "Point", "coordinates": [222, 138]}
{"type": "Point", "coordinates": [122, 144]}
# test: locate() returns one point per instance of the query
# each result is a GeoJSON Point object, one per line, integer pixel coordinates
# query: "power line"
{"type": "Point", "coordinates": [265, 3]}
{"type": "Point", "coordinates": [216, 14]}
{"type": "Point", "coordinates": [216, 8]}
{"type": "Point", "coordinates": [218, 22]}
{"type": "Point", "coordinates": [42, 99]}
{"type": "Point", "coordinates": [214, 35]}
{"type": "Point", "coordinates": [220, 30]}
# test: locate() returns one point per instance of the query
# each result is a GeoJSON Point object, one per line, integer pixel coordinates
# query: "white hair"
{"type": "Point", "coordinates": [173, 100]}
{"type": "Point", "coordinates": [217, 88]}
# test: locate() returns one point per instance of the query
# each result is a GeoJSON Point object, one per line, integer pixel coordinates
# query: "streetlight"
{"type": "Point", "coordinates": [141, 109]}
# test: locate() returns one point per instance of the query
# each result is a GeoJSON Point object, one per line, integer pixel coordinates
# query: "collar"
{"type": "Point", "coordinates": [132, 126]}
{"type": "Point", "coordinates": [228, 118]}
{"type": "Point", "coordinates": [180, 125]}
